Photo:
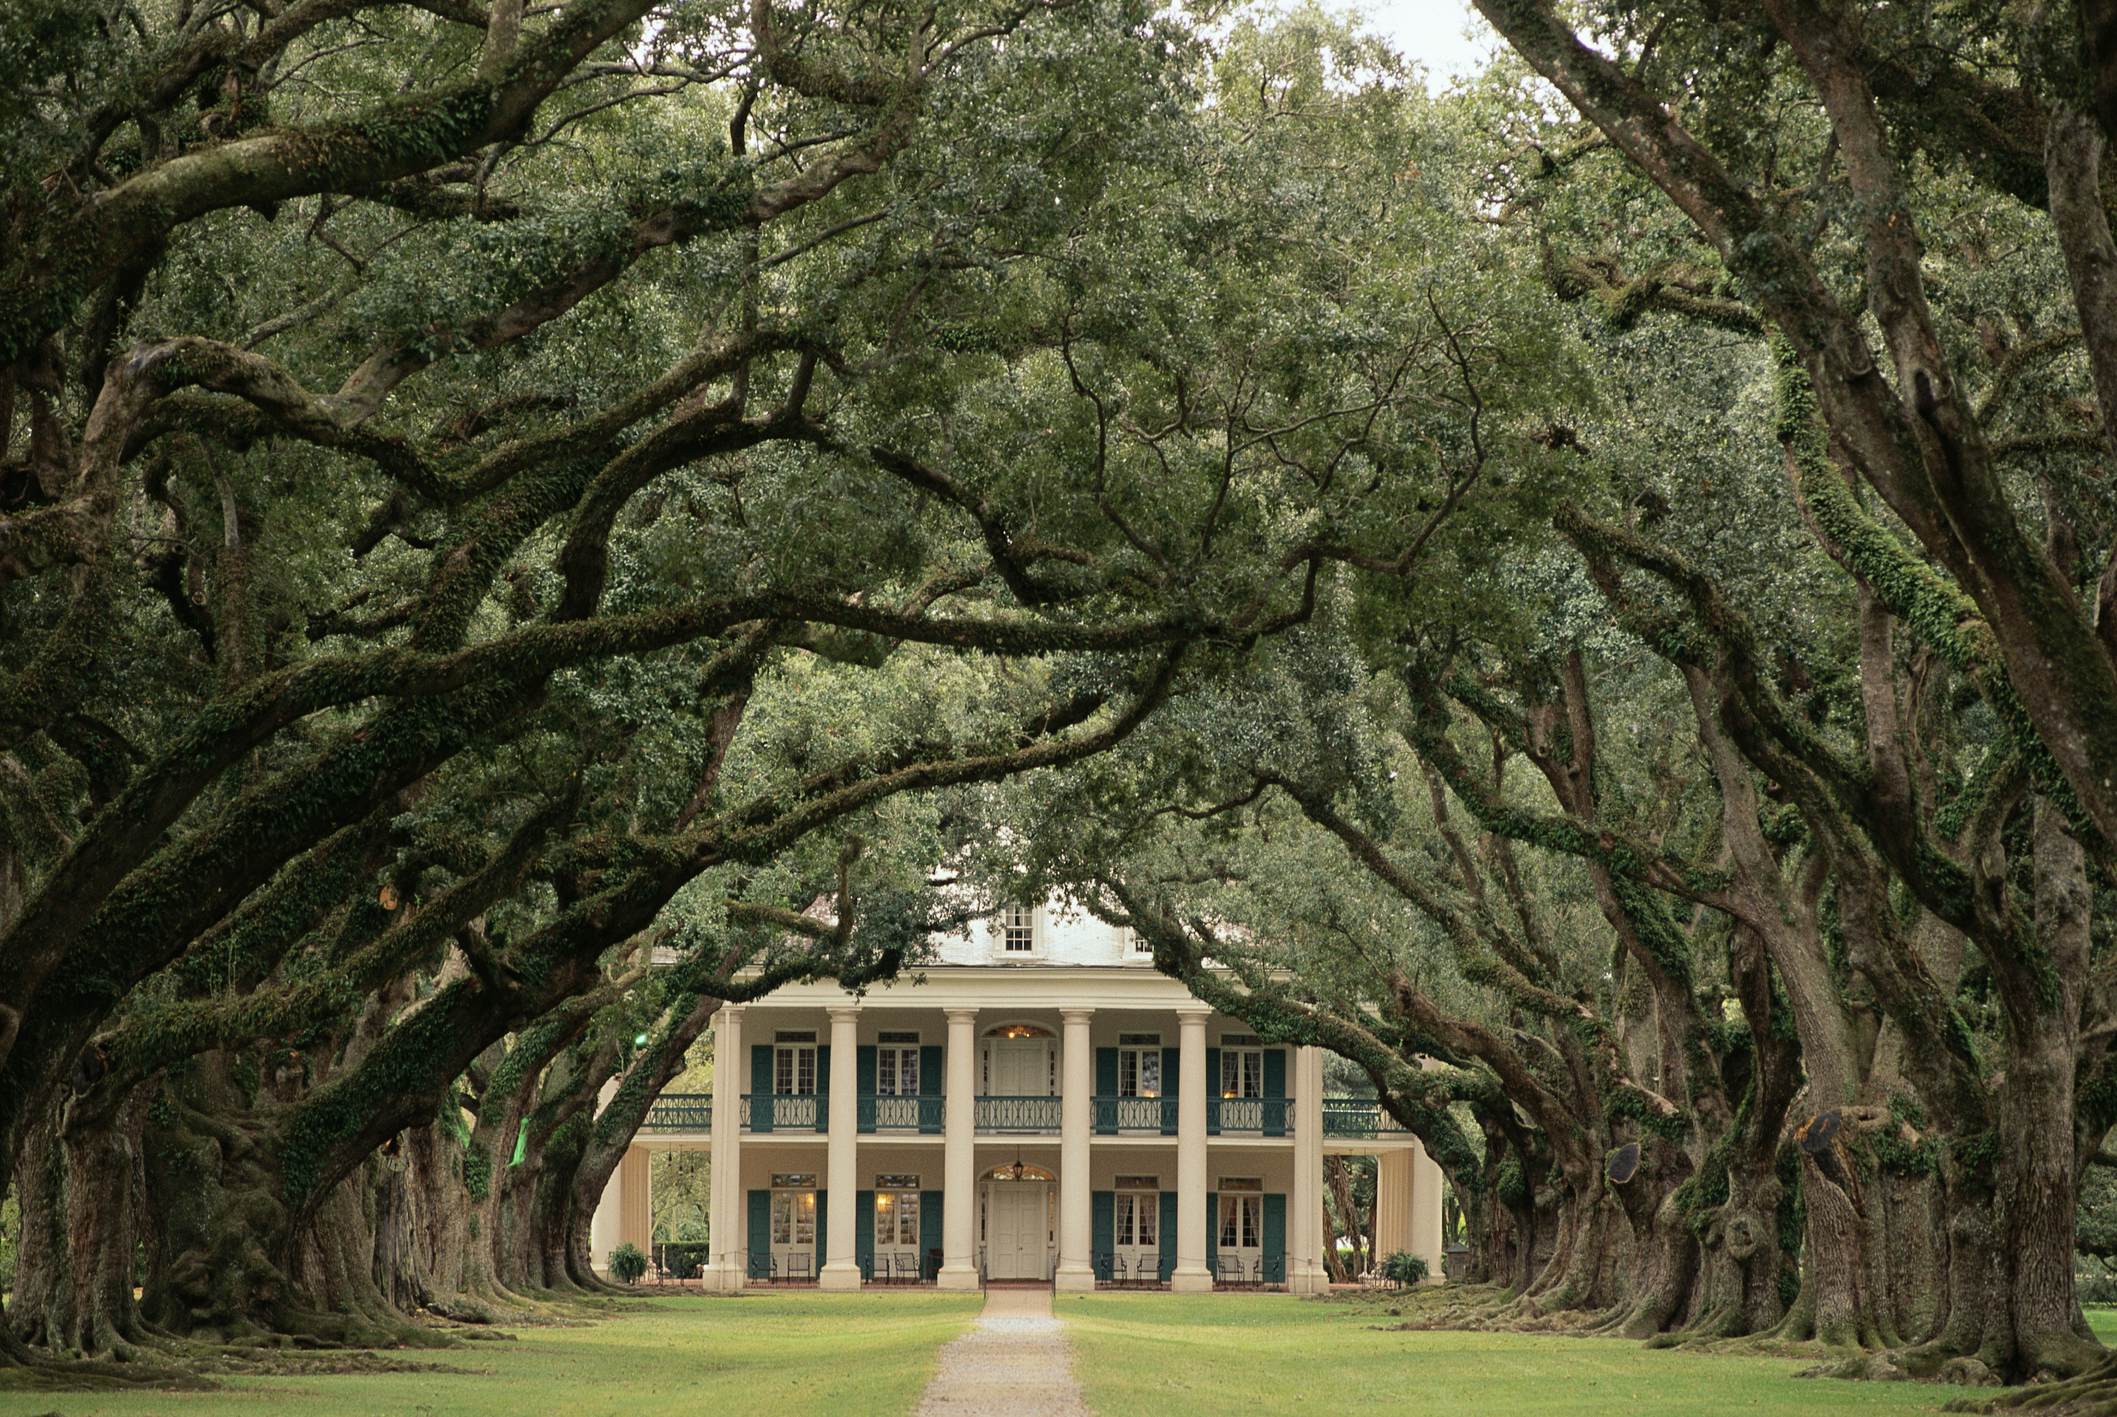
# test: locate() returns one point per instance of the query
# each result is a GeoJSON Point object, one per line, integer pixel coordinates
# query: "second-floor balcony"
{"type": "Point", "coordinates": [1253, 1116]}
{"type": "Point", "coordinates": [785, 1112]}
{"type": "Point", "coordinates": [1135, 1116]}
{"type": "Point", "coordinates": [887, 1113]}
{"type": "Point", "coordinates": [1358, 1117]}
{"type": "Point", "coordinates": [679, 1112]}
{"type": "Point", "coordinates": [925, 1115]}
{"type": "Point", "coordinates": [1033, 1115]}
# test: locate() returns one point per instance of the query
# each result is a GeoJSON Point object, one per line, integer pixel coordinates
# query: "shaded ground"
{"type": "Point", "coordinates": [1015, 1361]}
{"type": "Point", "coordinates": [1216, 1354]}
{"type": "Point", "coordinates": [758, 1355]}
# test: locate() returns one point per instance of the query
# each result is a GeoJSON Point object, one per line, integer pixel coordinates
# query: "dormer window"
{"type": "Point", "coordinates": [1136, 943]}
{"type": "Point", "coordinates": [1018, 930]}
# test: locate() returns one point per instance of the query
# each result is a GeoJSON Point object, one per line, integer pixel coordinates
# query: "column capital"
{"type": "Point", "coordinates": [1193, 1012]}
{"type": "Point", "coordinates": [1076, 1015]}
{"type": "Point", "coordinates": [961, 1015]}
{"type": "Point", "coordinates": [842, 1011]}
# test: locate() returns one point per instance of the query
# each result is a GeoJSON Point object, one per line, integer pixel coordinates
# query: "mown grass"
{"type": "Point", "coordinates": [1218, 1354]}
{"type": "Point", "coordinates": [759, 1355]}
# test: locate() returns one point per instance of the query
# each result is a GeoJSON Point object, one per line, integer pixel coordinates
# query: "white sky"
{"type": "Point", "coordinates": [1444, 35]}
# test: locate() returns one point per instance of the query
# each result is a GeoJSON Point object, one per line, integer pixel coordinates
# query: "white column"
{"type": "Point", "coordinates": [724, 1220]}
{"type": "Point", "coordinates": [604, 1227]}
{"type": "Point", "coordinates": [959, 1195]}
{"type": "Point", "coordinates": [1076, 1108]}
{"type": "Point", "coordinates": [841, 1268]}
{"type": "Point", "coordinates": [1191, 1274]}
{"type": "Point", "coordinates": [1393, 1192]}
{"type": "Point", "coordinates": [1426, 1184]}
{"type": "Point", "coordinates": [1305, 1273]}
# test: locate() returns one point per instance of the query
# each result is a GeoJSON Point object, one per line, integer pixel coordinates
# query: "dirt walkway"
{"type": "Point", "coordinates": [1014, 1361]}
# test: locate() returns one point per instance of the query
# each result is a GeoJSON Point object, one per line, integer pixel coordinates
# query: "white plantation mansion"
{"type": "Point", "coordinates": [1043, 1105]}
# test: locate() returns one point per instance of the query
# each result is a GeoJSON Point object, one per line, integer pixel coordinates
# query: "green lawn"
{"type": "Point", "coordinates": [1138, 1355]}
{"type": "Point", "coordinates": [1218, 1354]}
{"type": "Point", "coordinates": [760, 1356]}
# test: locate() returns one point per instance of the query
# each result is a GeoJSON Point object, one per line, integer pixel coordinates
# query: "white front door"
{"type": "Point", "coordinates": [1015, 1231]}
{"type": "Point", "coordinates": [1021, 1067]}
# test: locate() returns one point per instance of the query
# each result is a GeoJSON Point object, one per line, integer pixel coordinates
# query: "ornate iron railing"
{"type": "Point", "coordinates": [1018, 1114]}
{"type": "Point", "coordinates": [1134, 1114]}
{"type": "Point", "coordinates": [879, 1113]}
{"type": "Point", "coordinates": [1357, 1117]}
{"type": "Point", "coordinates": [1261, 1116]}
{"type": "Point", "coordinates": [785, 1112]}
{"type": "Point", "coordinates": [680, 1112]}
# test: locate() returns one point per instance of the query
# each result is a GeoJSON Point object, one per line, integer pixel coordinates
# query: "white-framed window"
{"type": "Point", "coordinates": [1138, 1211]}
{"type": "Point", "coordinates": [897, 1064]}
{"type": "Point", "coordinates": [794, 1063]}
{"type": "Point", "coordinates": [896, 1219]}
{"type": "Point", "coordinates": [794, 1217]}
{"type": "Point", "coordinates": [1241, 1212]}
{"type": "Point", "coordinates": [1018, 930]}
{"type": "Point", "coordinates": [1134, 943]}
{"type": "Point", "coordinates": [1241, 1067]}
{"type": "Point", "coordinates": [1139, 1065]}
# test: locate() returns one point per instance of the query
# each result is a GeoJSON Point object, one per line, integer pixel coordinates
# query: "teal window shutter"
{"type": "Point", "coordinates": [1167, 1233]}
{"type": "Point", "coordinates": [1275, 1118]}
{"type": "Point", "coordinates": [1171, 1088]}
{"type": "Point", "coordinates": [1102, 1240]}
{"type": "Point", "coordinates": [864, 1086]}
{"type": "Point", "coordinates": [1106, 1086]}
{"type": "Point", "coordinates": [929, 1231]}
{"type": "Point", "coordinates": [760, 1234]}
{"type": "Point", "coordinates": [823, 1088]}
{"type": "Point", "coordinates": [864, 1232]}
{"type": "Point", "coordinates": [1212, 1229]}
{"type": "Point", "coordinates": [1274, 1258]}
{"type": "Point", "coordinates": [760, 1087]}
{"type": "Point", "coordinates": [823, 1227]}
{"type": "Point", "coordinates": [930, 1086]}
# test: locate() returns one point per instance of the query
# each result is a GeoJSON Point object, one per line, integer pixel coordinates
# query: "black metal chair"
{"type": "Point", "coordinates": [906, 1267]}
{"type": "Point", "coordinates": [1146, 1270]}
{"type": "Point", "coordinates": [764, 1267]}
{"type": "Point", "coordinates": [1227, 1271]}
{"type": "Point", "coordinates": [799, 1268]}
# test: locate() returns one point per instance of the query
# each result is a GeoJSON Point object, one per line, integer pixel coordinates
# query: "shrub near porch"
{"type": "Point", "coordinates": [1213, 1354]}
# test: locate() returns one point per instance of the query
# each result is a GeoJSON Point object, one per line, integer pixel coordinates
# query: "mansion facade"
{"type": "Point", "coordinates": [1040, 1104]}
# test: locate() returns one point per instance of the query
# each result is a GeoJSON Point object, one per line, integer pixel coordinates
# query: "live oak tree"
{"type": "Point", "coordinates": [410, 483]}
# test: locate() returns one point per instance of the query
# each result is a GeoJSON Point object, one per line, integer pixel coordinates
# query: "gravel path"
{"type": "Point", "coordinates": [1015, 1362]}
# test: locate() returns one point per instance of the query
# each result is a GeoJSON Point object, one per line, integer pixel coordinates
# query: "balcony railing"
{"type": "Point", "coordinates": [680, 1112]}
{"type": "Point", "coordinates": [1018, 1114]}
{"type": "Point", "coordinates": [1258, 1116]}
{"type": "Point", "coordinates": [785, 1112]}
{"type": "Point", "coordinates": [1152, 1115]}
{"type": "Point", "coordinates": [1357, 1117]}
{"type": "Point", "coordinates": [899, 1114]}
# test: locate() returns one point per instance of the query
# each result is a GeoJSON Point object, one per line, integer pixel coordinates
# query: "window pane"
{"type": "Point", "coordinates": [806, 1070]}
{"type": "Point", "coordinates": [783, 1070]}
{"type": "Point", "coordinates": [1150, 1073]}
{"type": "Point", "coordinates": [908, 1072]}
{"type": "Point", "coordinates": [1253, 1074]}
{"type": "Point", "coordinates": [1227, 1222]}
{"type": "Point", "coordinates": [1128, 1073]}
{"type": "Point", "coordinates": [1124, 1220]}
{"type": "Point", "coordinates": [1230, 1074]}
{"type": "Point", "coordinates": [1149, 1216]}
